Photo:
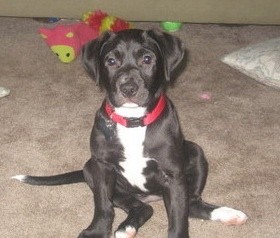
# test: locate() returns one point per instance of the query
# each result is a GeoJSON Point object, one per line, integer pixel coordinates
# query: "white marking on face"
{"type": "Point", "coordinates": [228, 216]}
{"type": "Point", "coordinates": [132, 140]}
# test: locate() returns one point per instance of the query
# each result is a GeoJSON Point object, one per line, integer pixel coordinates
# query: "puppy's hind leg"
{"type": "Point", "coordinates": [197, 171]}
{"type": "Point", "coordinates": [138, 213]}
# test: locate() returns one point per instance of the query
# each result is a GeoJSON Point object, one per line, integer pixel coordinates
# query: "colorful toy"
{"type": "Point", "coordinates": [102, 22]}
{"type": "Point", "coordinates": [67, 40]}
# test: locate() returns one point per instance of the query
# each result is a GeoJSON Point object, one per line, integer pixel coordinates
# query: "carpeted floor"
{"type": "Point", "coordinates": [45, 125]}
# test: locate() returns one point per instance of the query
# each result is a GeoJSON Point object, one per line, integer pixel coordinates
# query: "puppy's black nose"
{"type": "Point", "coordinates": [129, 89]}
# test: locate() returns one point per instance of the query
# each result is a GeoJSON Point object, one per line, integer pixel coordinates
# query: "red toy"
{"type": "Point", "coordinates": [67, 40]}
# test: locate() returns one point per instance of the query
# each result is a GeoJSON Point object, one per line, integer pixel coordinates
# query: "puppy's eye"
{"type": "Point", "coordinates": [111, 61]}
{"type": "Point", "coordinates": [147, 59]}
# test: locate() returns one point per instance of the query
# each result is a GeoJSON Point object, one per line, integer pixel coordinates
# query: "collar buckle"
{"type": "Point", "coordinates": [135, 122]}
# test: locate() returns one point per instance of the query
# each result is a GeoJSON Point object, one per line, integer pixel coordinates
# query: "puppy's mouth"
{"type": "Point", "coordinates": [127, 103]}
{"type": "Point", "coordinates": [130, 105]}
{"type": "Point", "coordinates": [131, 110]}
{"type": "Point", "coordinates": [140, 99]}
{"type": "Point", "coordinates": [132, 102]}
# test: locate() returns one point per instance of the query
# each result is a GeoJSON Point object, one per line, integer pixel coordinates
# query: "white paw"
{"type": "Point", "coordinates": [228, 216]}
{"type": "Point", "coordinates": [129, 232]}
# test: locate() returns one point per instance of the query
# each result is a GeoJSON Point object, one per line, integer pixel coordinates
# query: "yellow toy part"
{"type": "Point", "coordinates": [65, 53]}
{"type": "Point", "coordinates": [107, 23]}
{"type": "Point", "coordinates": [70, 35]}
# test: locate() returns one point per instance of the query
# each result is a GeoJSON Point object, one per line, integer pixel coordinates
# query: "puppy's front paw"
{"type": "Point", "coordinates": [91, 234]}
{"type": "Point", "coordinates": [85, 234]}
{"type": "Point", "coordinates": [128, 232]}
{"type": "Point", "coordinates": [229, 216]}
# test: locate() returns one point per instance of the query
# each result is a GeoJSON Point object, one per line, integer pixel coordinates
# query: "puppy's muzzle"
{"type": "Point", "coordinates": [129, 88]}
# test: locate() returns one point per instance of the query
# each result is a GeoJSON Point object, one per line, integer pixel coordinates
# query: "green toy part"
{"type": "Point", "coordinates": [170, 26]}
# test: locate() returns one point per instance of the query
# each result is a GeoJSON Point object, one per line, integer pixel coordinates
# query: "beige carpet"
{"type": "Point", "coordinates": [45, 126]}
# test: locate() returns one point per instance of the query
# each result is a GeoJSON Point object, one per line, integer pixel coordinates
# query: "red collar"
{"type": "Point", "coordinates": [149, 118]}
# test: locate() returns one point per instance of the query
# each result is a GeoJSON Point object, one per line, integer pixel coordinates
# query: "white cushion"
{"type": "Point", "coordinates": [260, 61]}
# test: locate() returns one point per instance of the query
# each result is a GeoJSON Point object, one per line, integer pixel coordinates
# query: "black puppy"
{"type": "Point", "coordinates": [139, 153]}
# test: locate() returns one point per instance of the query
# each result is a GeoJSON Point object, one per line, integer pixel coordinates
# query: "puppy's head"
{"type": "Point", "coordinates": [132, 65]}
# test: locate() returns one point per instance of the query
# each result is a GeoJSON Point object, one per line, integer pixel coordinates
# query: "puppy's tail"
{"type": "Point", "coordinates": [60, 179]}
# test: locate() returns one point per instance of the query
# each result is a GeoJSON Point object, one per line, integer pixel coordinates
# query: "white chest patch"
{"type": "Point", "coordinates": [132, 140]}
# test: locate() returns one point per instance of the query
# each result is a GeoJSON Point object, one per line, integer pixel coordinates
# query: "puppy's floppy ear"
{"type": "Point", "coordinates": [171, 48]}
{"type": "Point", "coordinates": [91, 55]}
